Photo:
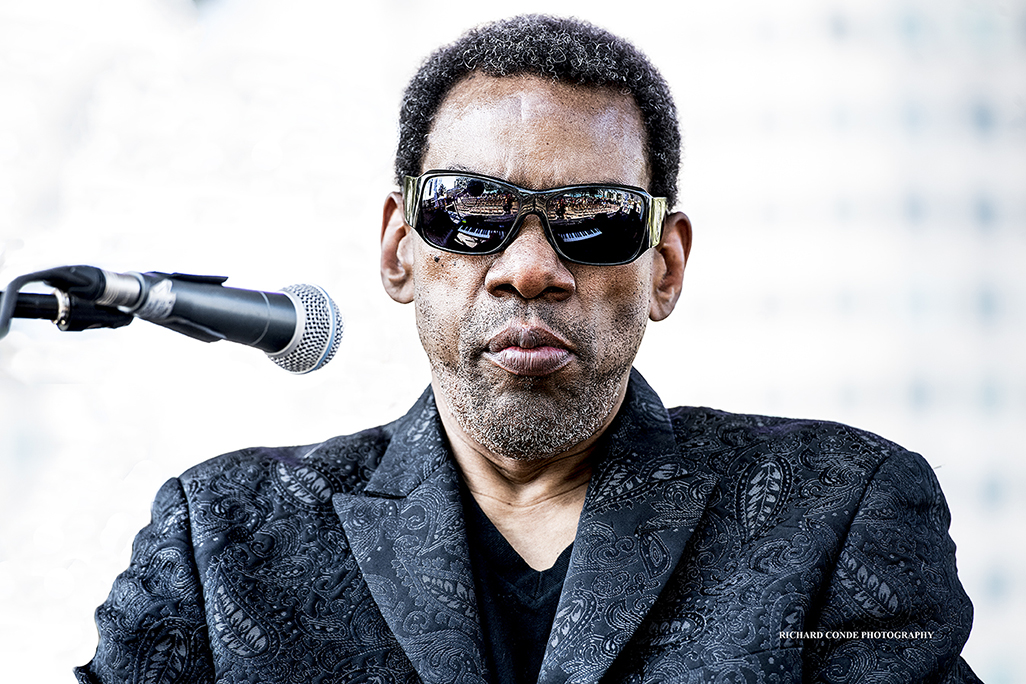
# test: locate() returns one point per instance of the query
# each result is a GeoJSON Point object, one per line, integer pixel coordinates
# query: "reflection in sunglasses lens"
{"type": "Point", "coordinates": [598, 225]}
{"type": "Point", "coordinates": [465, 214]}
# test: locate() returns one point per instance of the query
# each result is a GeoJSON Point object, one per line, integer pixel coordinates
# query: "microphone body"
{"type": "Point", "coordinates": [198, 306]}
{"type": "Point", "coordinates": [298, 328]}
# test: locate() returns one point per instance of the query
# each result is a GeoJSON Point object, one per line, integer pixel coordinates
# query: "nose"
{"type": "Point", "coordinates": [529, 267]}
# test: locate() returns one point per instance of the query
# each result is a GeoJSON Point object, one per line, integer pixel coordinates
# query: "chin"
{"type": "Point", "coordinates": [530, 417]}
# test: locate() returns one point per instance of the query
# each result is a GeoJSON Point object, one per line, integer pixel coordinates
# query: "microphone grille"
{"type": "Point", "coordinates": [319, 329]}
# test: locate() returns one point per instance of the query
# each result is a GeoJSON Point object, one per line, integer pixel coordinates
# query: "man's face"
{"type": "Point", "coordinates": [530, 353]}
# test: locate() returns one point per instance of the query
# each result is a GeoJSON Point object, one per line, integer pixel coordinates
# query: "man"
{"type": "Point", "coordinates": [538, 515]}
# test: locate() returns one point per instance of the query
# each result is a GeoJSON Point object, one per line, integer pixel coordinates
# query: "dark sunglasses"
{"type": "Point", "coordinates": [597, 224]}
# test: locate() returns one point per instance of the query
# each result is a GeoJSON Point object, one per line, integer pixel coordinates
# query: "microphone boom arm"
{"type": "Point", "coordinates": [66, 308]}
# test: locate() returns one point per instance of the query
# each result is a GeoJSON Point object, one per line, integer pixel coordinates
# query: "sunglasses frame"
{"type": "Point", "coordinates": [533, 202]}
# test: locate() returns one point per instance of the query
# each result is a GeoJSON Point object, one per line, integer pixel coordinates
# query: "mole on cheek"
{"type": "Point", "coordinates": [437, 258]}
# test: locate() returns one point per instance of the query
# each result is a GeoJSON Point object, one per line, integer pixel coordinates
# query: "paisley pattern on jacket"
{"type": "Point", "coordinates": [712, 547]}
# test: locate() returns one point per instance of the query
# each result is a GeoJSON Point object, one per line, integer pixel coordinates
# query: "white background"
{"type": "Point", "coordinates": [855, 171]}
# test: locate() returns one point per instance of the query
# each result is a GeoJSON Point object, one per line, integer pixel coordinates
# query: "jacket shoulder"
{"type": "Point", "coordinates": [309, 473]}
{"type": "Point", "coordinates": [734, 439]}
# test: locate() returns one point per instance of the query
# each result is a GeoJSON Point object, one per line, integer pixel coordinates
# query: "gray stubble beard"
{"type": "Point", "coordinates": [538, 418]}
{"type": "Point", "coordinates": [528, 425]}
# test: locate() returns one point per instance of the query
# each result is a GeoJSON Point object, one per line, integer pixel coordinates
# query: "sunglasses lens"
{"type": "Point", "coordinates": [467, 215]}
{"type": "Point", "coordinates": [598, 225]}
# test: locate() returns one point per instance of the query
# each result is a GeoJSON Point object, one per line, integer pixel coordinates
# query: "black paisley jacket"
{"type": "Point", "coordinates": [712, 547]}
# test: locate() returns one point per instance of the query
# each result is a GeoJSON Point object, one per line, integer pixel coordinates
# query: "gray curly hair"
{"type": "Point", "coordinates": [564, 49]}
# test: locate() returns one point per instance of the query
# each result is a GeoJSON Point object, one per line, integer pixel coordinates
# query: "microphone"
{"type": "Point", "coordinates": [298, 328]}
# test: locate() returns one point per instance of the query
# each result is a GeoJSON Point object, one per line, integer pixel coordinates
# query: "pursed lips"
{"type": "Point", "coordinates": [528, 350]}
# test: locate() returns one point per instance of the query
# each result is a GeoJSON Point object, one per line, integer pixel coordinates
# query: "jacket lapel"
{"type": "Point", "coordinates": [643, 504]}
{"type": "Point", "coordinates": [407, 534]}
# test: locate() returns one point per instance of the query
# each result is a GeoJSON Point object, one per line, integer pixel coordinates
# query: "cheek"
{"type": "Point", "coordinates": [620, 312]}
{"type": "Point", "coordinates": [444, 293]}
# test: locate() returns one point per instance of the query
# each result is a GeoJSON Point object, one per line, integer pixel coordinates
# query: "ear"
{"type": "Point", "coordinates": [396, 251]}
{"type": "Point", "coordinates": [668, 266]}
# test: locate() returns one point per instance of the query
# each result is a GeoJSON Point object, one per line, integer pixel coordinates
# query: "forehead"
{"type": "Point", "coordinates": [539, 133]}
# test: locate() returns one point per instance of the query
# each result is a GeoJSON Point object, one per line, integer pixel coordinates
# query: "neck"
{"type": "Point", "coordinates": [535, 503]}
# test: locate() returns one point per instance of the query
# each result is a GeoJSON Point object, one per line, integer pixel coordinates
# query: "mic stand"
{"type": "Point", "coordinates": [67, 310]}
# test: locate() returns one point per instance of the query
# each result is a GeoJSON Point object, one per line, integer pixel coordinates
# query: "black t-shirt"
{"type": "Point", "coordinates": [517, 603]}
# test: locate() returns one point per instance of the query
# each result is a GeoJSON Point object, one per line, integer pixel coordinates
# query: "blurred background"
{"type": "Point", "coordinates": [855, 171]}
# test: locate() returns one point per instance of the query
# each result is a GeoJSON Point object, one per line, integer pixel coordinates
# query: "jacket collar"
{"type": "Point", "coordinates": [407, 534]}
{"type": "Point", "coordinates": [418, 449]}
